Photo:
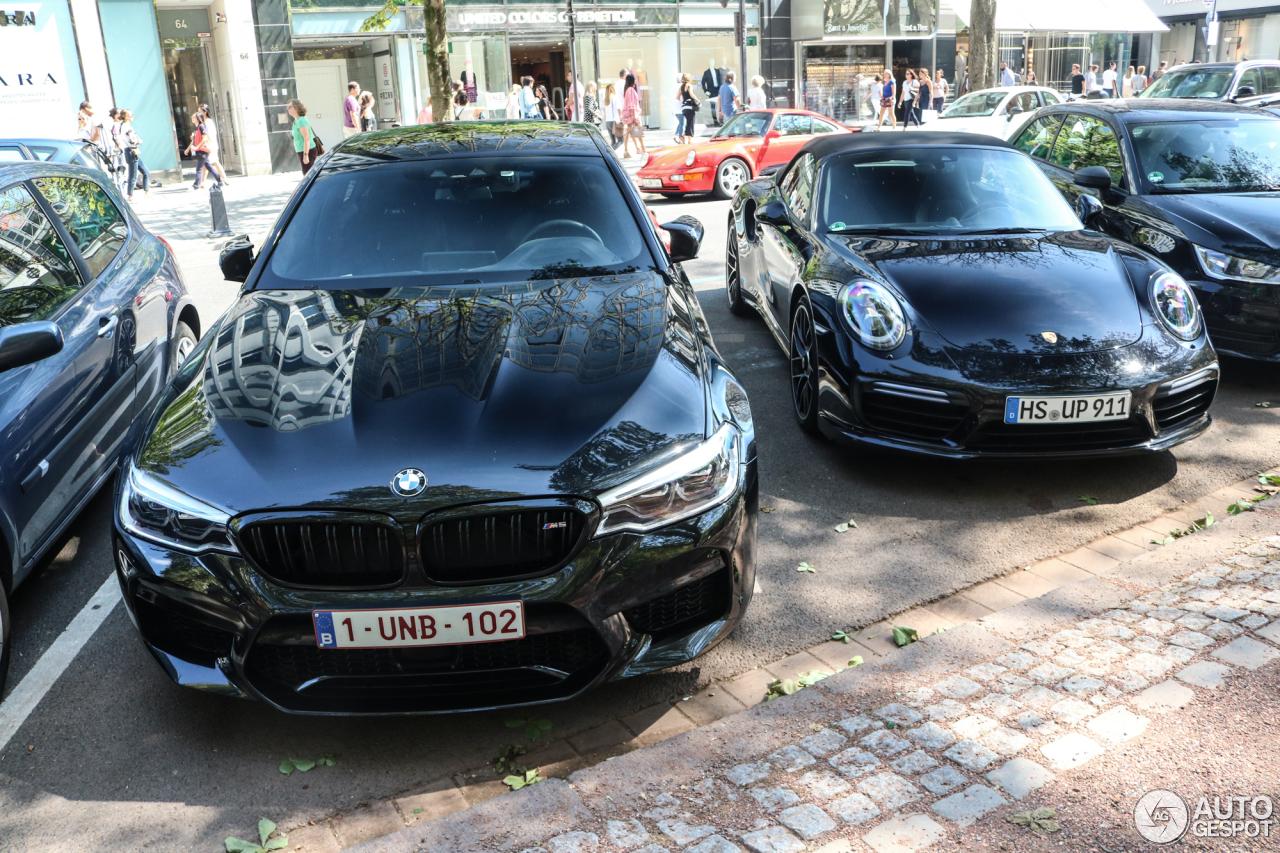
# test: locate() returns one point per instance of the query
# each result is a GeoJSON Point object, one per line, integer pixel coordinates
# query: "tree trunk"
{"type": "Point", "coordinates": [982, 45]}
{"type": "Point", "coordinates": [437, 47]}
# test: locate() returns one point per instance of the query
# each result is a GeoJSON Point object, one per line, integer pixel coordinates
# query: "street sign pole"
{"type": "Point", "coordinates": [573, 69]}
{"type": "Point", "coordinates": [742, 50]}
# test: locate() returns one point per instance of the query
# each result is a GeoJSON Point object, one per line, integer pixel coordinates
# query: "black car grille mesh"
{"type": "Point", "coordinates": [1175, 406]}
{"type": "Point", "coordinates": [495, 546]}
{"type": "Point", "coordinates": [328, 553]}
{"type": "Point", "coordinates": [921, 414]}
{"type": "Point", "coordinates": [1246, 341]}
{"type": "Point", "coordinates": [173, 631]}
{"type": "Point", "coordinates": [999, 437]}
{"type": "Point", "coordinates": [684, 609]}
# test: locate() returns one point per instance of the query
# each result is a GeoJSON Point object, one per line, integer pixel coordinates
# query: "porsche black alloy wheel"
{"type": "Point", "coordinates": [733, 274]}
{"type": "Point", "coordinates": [804, 366]}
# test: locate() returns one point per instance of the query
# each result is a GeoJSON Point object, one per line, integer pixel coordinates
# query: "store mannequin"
{"type": "Point", "coordinates": [468, 80]}
{"type": "Point", "coordinates": [642, 83]}
{"type": "Point", "coordinates": [711, 80]}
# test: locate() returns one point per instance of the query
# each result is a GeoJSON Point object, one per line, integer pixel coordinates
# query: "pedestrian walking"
{"type": "Point", "coordinates": [887, 87]}
{"type": "Point", "coordinates": [133, 156]}
{"type": "Point", "coordinates": [368, 121]}
{"type": "Point", "coordinates": [1126, 84]}
{"type": "Point", "coordinates": [424, 114]}
{"type": "Point", "coordinates": [1140, 80]}
{"type": "Point", "coordinates": [907, 99]}
{"type": "Point", "coordinates": [940, 88]}
{"type": "Point", "coordinates": [1109, 79]}
{"type": "Point", "coordinates": [756, 98]}
{"type": "Point", "coordinates": [1159, 72]}
{"type": "Point", "coordinates": [199, 148]}
{"type": "Point", "coordinates": [730, 102]}
{"type": "Point", "coordinates": [461, 106]}
{"type": "Point", "coordinates": [924, 93]}
{"type": "Point", "coordinates": [528, 100]}
{"type": "Point", "coordinates": [1030, 79]}
{"type": "Point", "coordinates": [1091, 83]}
{"type": "Point", "coordinates": [572, 97]}
{"type": "Point", "coordinates": [1077, 80]}
{"type": "Point", "coordinates": [304, 137]}
{"type": "Point", "coordinates": [351, 110]}
{"type": "Point", "coordinates": [591, 106]}
{"type": "Point", "coordinates": [215, 151]}
{"type": "Point", "coordinates": [631, 117]}
{"type": "Point", "coordinates": [612, 116]}
{"type": "Point", "coordinates": [91, 129]}
{"type": "Point", "coordinates": [545, 112]}
{"type": "Point", "coordinates": [513, 103]}
{"type": "Point", "coordinates": [1006, 75]}
{"type": "Point", "coordinates": [689, 106]}
{"type": "Point", "coordinates": [115, 152]}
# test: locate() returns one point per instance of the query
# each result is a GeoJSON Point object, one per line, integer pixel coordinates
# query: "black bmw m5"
{"type": "Point", "coordinates": [463, 442]}
{"type": "Point", "coordinates": [936, 294]}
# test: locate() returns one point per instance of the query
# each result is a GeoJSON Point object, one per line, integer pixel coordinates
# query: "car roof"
{"type": "Point", "coordinates": [40, 140]}
{"type": "Point", "coordinates": [21, 170]}
{"type": "Point", "coordinates": [1131, 110]}
{"type": "Point", "coordinates": [838, 143]}
{"type": "Point", "coordinates": [1227, 65]}
{"type": "Point", "coordinates": [423, 141]}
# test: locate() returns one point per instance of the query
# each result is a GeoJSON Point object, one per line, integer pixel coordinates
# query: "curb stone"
{"type": "Point", "coordinates": [710, 785]}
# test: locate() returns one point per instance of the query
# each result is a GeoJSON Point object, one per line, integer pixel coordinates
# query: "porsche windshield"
{"type": "Point", "coordinates": [744, 124]}
{"type": "Point", "coordinates": [1208, 156]}
{"type": "Point", "coordinates": [939, 191]}
{"type": "Point", "coordinates": [458, 221]}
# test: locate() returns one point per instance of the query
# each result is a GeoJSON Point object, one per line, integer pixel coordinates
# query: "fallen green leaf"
{"type": "Point", "coordinates": [530, 777]}
{"type": "Point", "coordinates": [805, 567]}
{"type": "Point", "coordinates": [1239, 507]}
{"type": "Point", "coordinates": [845, 526]}
{"type": "Point", "coordinates": [1042, 819]}
{"type": "Point", "coordinates": [264, 844]}
{"type": "Point", "coordinates": [302, 765]}
{"type": "Point", "coordinates": [1089, 499]}
{"type": "Point", "coordinates": [902, 635]}
{"type": "Point", "coordinates": [1269, 479]}
{"type": "Point", "coordinates": [766, 509]}
{"type": "Point", "coordinates": [787, 686]}
{"type": "Point", "coordinates": [417, 811]}
{"type": "Point", "coordinates": [1165, 541]}
{"type": "Point", "coordinates": [1263, 405]}
{"type": "Point", "coordinates": [843, 637]}
{"type": "Point", "coordinates": [327, 760]}
{"type": "Point", "coordinates": [856, 660]}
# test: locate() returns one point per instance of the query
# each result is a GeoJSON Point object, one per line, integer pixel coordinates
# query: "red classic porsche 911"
{"type": "Point", "coordinates": [747, 144]}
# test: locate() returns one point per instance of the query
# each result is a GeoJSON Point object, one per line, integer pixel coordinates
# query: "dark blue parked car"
{"type": "Point", "coordinates": [94, 318]}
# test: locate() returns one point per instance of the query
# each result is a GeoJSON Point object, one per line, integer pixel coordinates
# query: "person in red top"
{"type": "Point", "coordinates": [351, 110]}
{"type": "Point", "coordinates": [631, 118]}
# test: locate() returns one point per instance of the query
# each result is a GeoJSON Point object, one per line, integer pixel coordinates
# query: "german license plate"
{"type": "Point", "coordinates": [1073, 410]}
{"type": "Point", "coordinates": [651, 182]}
{"type": "Point", "coordinates": [453, 625]}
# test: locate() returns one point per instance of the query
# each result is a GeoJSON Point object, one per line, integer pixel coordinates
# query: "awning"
{"type": "Point", "coordinates": [1074, 16]}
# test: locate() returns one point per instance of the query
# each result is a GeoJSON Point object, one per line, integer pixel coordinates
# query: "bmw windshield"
{"type": "Point", "coordinates": [458, 221]}
{"type": "Point", "coordinates": [940, 191]}
{"type": "Point", "coordinates": [1208, 156]}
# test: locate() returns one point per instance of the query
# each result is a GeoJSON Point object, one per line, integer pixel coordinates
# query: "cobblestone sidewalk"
{"type": "Point", "coordinates": [909, 753]}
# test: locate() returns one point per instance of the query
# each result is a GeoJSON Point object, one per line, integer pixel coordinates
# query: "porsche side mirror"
{"type": "Point", "coordinates": [1094, 178]}
{"type": "Point", "coordinates": [772, 171]}
{"type": "Point", "coordinates": [1244, 92]}
{"type": "Point", "coordinates": [1088, 209]}
{"type": "Point", "coordinates": [27, 343]}
{"type": "Point", "coordinates": [686, 238]}
{"type": "Point", "coordinates": [236, 259]}
{"type": "Point", "coordinates": [1011, 112]}
{"type": "Point", "coordinates": [774, 213]}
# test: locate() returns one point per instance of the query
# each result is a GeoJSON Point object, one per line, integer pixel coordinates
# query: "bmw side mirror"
{"type": "Point", "coordinates": [236, 259]}
{"type": "Point", "coordinates": [27, 343]}
{"type": "Point", "coordinates": [1094, 178]}
{"type": "Point", "coordinates": [686, 238]}
{"type": "Point", "coordinates": [774, 213]}
{"type": "Point", "coordinates": [1244, 92]}
{"type": "Point", "coordinates": [1088, 209]}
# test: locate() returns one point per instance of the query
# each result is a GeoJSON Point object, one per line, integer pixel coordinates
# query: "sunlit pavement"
{"type": "Point", "coordinates": [116, 757]}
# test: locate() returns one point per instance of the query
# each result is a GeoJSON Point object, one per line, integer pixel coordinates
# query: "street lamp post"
{"type": "Point", "coordinates": [573, 69]}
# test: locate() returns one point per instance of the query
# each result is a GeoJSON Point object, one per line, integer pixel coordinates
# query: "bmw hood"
{"type": "Point", "coordinates": [1001, 294]}
{"type": "Point", "coordinates": [1243, 224]}
{"type": "Point", "coordinates": [316, 399]}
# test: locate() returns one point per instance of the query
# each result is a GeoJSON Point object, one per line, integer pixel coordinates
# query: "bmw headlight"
{"type": "Point", "coordinates": [874, 314]}
{"type": "Point", "coordinates": [1223, 266]}
{"type": "Point", "coordinates": [152, 509]}
{"type": "Point", "coordinates": [1176, 305]}
{"type": "Point", "coordinates": [690, 157]}
{"type": "Point", "coordinates": [688, 485]}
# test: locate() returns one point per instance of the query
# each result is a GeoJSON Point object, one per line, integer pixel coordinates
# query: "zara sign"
{"type": "Point", "coordinates": [33, 79]}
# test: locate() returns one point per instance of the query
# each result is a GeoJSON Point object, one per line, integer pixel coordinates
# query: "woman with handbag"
{"type": "Point", "coordinates": [689, 105]}
{"type": "Point", "coordinates": [886, 100]}
{"type": "Point", "coordinates": [590, 106]}
{"type": "Point", "coordinates": [304, 138]}
{"type": "Point", "coordinates": [133, 155]}
{"type": "Point", "coordinates": [201, 146]}
{"type": "Point", "coordinates": [631, 117]}
{"type": "Point", "coordinates": [924, 98]}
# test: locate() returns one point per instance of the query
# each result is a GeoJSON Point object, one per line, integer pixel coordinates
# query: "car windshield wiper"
{"type": "Point", "coordinates": [877, 230]}
{"type": "Point", "coordinates": [1018, 230]}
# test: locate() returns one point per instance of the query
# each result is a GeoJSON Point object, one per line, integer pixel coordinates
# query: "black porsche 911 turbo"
{"type": "Point", "coordinates": [463, 442]}
{"type": "Point", "coordinates": [935, 293]}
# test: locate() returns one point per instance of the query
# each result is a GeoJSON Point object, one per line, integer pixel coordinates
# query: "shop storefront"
{"type": "Point", "coordinates": [1247, 29]}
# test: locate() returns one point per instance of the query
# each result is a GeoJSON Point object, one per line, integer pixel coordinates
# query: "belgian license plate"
{"type": "Point", "coordinates": [452, 625]}
{"type": "Point", "coordinates": [1072, 410]}
{"type": "Point", "coordinates": [651, 182]}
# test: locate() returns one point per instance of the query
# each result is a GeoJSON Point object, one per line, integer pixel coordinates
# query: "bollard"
{"type": "Point", "coordinates": [218, 208]}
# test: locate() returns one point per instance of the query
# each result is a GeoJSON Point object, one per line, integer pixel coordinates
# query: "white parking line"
{"type": "Point", "coordinates": [15, 709]}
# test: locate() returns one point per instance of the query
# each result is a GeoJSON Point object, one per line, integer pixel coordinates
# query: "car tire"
{"type": "Point", "coordinates": [804, 366]}
{"type": "Point", "coordinates": [731, 174]}
{"type": "Point", "coordinates": [4, 637]}
{"type": "Point", "coordinates": [733, 274]}
{"type": "Point", "coordinates": [183, 342]}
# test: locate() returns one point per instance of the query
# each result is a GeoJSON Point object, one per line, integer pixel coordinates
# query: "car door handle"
{"type": "Point", "coordinates": [107, 325]}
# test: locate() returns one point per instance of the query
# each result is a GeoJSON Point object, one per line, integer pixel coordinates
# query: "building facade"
{"type": "Point", "coordinates": [1247, 29]}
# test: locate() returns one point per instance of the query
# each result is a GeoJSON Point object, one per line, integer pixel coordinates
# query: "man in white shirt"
{"type": "Point", "coordinates": [1109, 80]}
{"type": "Point", "coordinates": [1091, 80]}
{"type": "Point", "coordinates": [1006, 76]}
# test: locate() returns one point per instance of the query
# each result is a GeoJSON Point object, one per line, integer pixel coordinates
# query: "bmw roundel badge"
{"type": "Point", "coordinates": [409, 483]}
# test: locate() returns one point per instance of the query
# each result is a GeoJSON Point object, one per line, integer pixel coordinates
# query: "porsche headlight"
{"type": "Point", "coordinates": [1176, 305]}
{"type": "Point", "coordinates": [688, 485]}
{"type": "Point", "coordinates": [1223, 266]}
{"type": "Point", "coordinates": [152, 509]}
{"type": "Point", "coordinates": [690, 157]}
{"type": "Point", "coordinates": [874, 314]}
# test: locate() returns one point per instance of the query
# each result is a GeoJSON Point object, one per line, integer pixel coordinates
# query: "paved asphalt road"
{"type": "Point", "coordinates": [116, 757]}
